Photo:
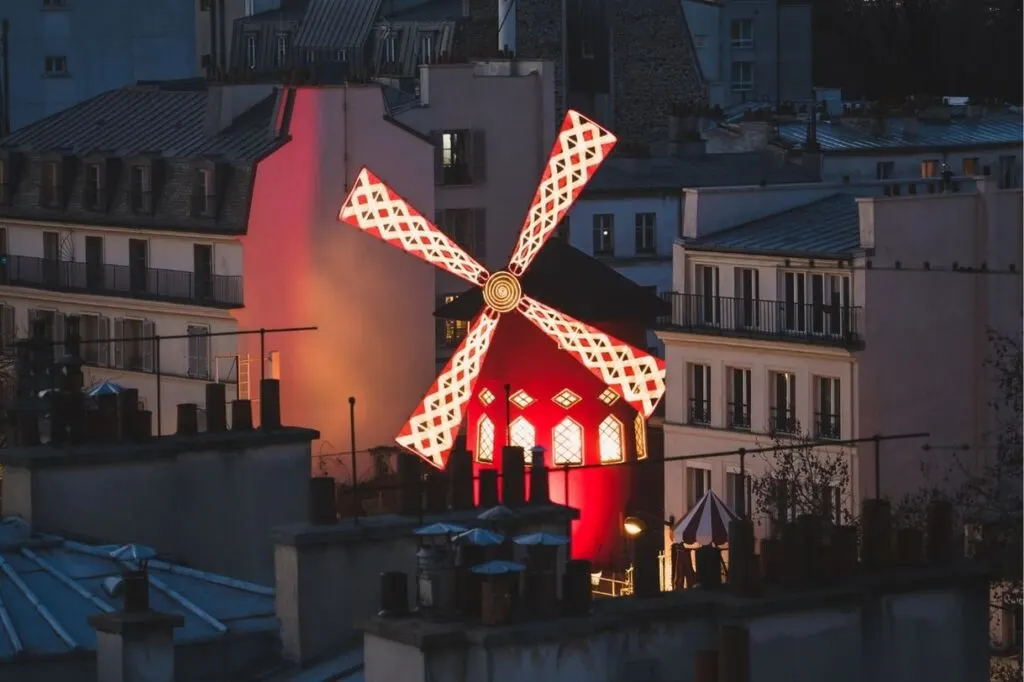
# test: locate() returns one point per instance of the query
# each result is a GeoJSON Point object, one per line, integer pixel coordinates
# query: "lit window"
{"type": "Point", "coordinates": [566, 398]}
{"type": "Point", "coordinates": [609, 438]}
{"type": "Point", "coordinates": [486, 397]}
{"type": "Point", "coordinates": [608, 396]}
{"type": "Point", "coordinates": [567, 443]}
{"type": "Point", "coordinates": [929, 168]}
{"type": "Point", "coordinates": [485, 440]}
{"type": "Point", "coordinates": [640, 434]}
{"type": "Point", "coordinates": [523, 435]}
{"type": "Point", "coordinates": [521, 399]}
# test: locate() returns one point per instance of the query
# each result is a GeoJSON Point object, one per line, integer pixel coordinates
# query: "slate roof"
{"type": "Point", "coordinates": [829, 227]}
{"type": "Point", "coordinates": [710, 170]}
{"type": "Point", "coordinates": [571, 281]}
{"type": "Point", "coordinates": [166, 119]}
{"type": "Point", "coordinates": [337, 24]}
{"type": "Point", "coordinates": [843, 137]}
{"type": "Point", "coordinates": [49, 587]}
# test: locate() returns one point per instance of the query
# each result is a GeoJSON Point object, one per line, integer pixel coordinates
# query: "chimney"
{"type": "Point", "coordinates": [876, 532]}
{"type": "Point", "coordinates": [216, 408]}
{"type": "Point", "coordinates": [733, 654]}
{"type": "Point", "coordinates": [513, 477]}
{"type": "Point", "coordinates": [488, 491]}
{"type": "Point", "coordinates": [460, 476]}
{"type": "Point", "coordinates": [323, 505]}
{"type": "Point", "coordinates": [135, 644]}
{"type": "Point", "coordinates": [241, 415]}
{"type": "Point", "coordinates": [143, 425]}
{"type": "Point", "coordinates": [507, 26]}
{"type": "Point", "coordinates": [576, 588]}
{"type": "Point", "coordinates": [437, 491]}
{"type": "Point", "coordinates": [941, 549]}
{"type": "Point", "coordinates": [270, 404]}
{"type": "Point", "coordinates": [106, 418]}
{"type": "Point", "coordinates": [188, 419]}
{"type": "Point", "coordinates": [410, 502]}
{"type": "Point", "coordinates": [127, 413]}
{"type": "Point", "coordinates": [539, 477]}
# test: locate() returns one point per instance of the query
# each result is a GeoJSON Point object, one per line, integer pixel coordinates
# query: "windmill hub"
{"type": "Point", "coordinates": [502, 291]}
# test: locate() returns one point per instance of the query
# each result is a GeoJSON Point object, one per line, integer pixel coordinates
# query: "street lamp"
{"type": "Point", "coordinates": [634, 524]}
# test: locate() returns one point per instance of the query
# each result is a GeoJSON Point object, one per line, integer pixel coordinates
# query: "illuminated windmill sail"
{"type": "Point", "coordinates": [634, 375]}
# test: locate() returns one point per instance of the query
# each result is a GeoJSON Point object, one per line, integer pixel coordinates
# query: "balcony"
{"type": "Point", "coordinates": [737, 416]}
{"type": "Point", "coordinates": [700, 411]}
{"type": "Point", "coordinates": [176, 286]}
{"type": "Point", "coordinates": [782, 420]}
{"type": "Point", "coordinates": [826, 426]}
{"type": "Point", "coordinates": [813, 323]}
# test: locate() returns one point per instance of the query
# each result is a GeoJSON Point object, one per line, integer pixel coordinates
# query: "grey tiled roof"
{"type": "Point", "coordinates": [337, 24]}
{"type": "Point", "coordinates": [839, 136]}
{"type": "Point", "coordinates": [827, 227]}
{"type": "Point", "coordinates": [165, 119]}
{"type": "Point", "coordinates": [50, 586]}
{"type": "Point", "coordinates": [710, 170]}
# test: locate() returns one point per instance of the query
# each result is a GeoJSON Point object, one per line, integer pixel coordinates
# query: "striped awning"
{"type": "Point", "coordinates": [706, 524]}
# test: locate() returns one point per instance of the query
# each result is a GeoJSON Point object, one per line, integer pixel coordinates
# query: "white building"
{"type": "Point", "coordinates": [778, 325]}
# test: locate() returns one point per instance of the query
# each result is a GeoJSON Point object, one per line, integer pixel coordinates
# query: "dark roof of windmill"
{"type": "Point", "coordinates": [571, 281]}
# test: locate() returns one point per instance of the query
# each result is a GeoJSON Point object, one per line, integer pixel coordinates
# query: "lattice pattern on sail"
{"type": "Point", "coordinates": [579, 150]}
{"type": "Point", "coordinates": [375, 208]}
{"type": "Point", "coordinates": [638, 377]}
{"type": "Point", "coordinates": [430, 431]}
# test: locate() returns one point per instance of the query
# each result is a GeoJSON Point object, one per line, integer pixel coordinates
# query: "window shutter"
{"type": "Point", "coordinates": [58, 335]}
{"type": "Point", "coordinates": [480, 233]}
{"type": "Point", "coordinates": [102, 340]}
{"type": "Point", "coordinates": [119, 343]}
{"type": "Point", "coordinates": [193, 351]}
{"type": "Point", "coordinates": [149, 345]}
{"type": "Point", "coordinates": [435, 138]}
{"type": "Point", "coordinates": [478, 157]}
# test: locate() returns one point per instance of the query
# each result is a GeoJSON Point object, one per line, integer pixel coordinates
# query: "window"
{"type": "Point", "coordinates": [94, 331]}
{"type": "Point", "coordinates": [55, 65]}
{"type": "Point", "coordinates": [783, 406]}
{"type": "Point", "coordinates": [644, 233]}
{"type": "Point", "coordinates": [929, 168]}
{"type": "Point", "coordinates": [138, 265]}
{"type": "Point", "coordinates": [51, 260]}
{"type": "Point", "coordinates": [455, 158]}
{"type": "Point", "coordinates": [747, 292]}
{"type": "Point", "coordinates": [609, 440]}
{"type": "Point", "coordinates": [604, 234]}
{"type": "Point", "coordinates": [700, 394]}
{"type": "Point", "coordinates": [1007, 172]}
{"type": "Point", "coordinates": [698, 482]}
{"type": "Point", "coordinates": [49, 189]}
{"type": "Point", "coordinates": [198, 351]}
{"type": "Point", "coordinates": [830, 304]}
{"type": "Point", "coordinates": [565, 398]}
{"type": "Point", "coordinates": [521, 399]}
{"type": "Point", "coordinates": [742, 76]}
{"type": "Point", "coordinates": [281, 51]}
{"type": "Point", "coordinates": [202, 193]}
{"type": "Point", "coordinates": [451, 332]}
{"type": "Point", "coordinates": [426, 52]}
{"type": "Point", "coordinates": [341, 55]}
{"type": "Point", "coordinates": [250, 51]}
{"type": "Point", "coordinates": [737, 495]}
{"type": "Point", "coordinates": [93, 186]}
{"type": "Point", "coordinates": [705, 280]}
{"type": "Point", "coordinates": [640, 435]}
{"type": "Point", "coordinates": [53, 328]}
{"type": "Point", "coordinates": [742, 33]}
{"type": "Point", "coordinates": [794, 308]}
{"type": "Point", "coordinates": [134, 345]}
{"type": "Point", "coordinates": [884, 170]}
{"type": "Point", "coordinates": [826, 416]}
{"type": "Point", "coordinates": [737, 415]}
{"type": "Point", "coordinates": [202, 272]}
{"type": "Point", "coordinates": [969, 167]}
{"type": "Point", "coordinates": [523, 435]}
{"type": "Point", "coordinates": [468, 227]}
{"type": "Point", "coordinates": [95, 279]}
{"type": "Point", "coordinates": [389, 49]}
{"type": "Point", "coordinates": [567, 443]}
{"type": "Point", "coordinates": [485, 440]}
{"type": "Point", "coordinates": [140, 192]}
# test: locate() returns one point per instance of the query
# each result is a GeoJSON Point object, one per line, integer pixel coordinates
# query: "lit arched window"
{"type": "Point", "coordinates": [640, 433]}
{"type": "Point", "coordinates": [485, 440]}
{"type": "Point", "coordinates": [567, 443]}
{"type": "Point", "coordinates": [609, 439]}
{"type": "Point", "coordinates": [523, 435]}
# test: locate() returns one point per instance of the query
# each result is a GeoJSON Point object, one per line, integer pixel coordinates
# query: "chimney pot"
{"type": "Point", "coordinates": [127, 412]}
{"type": "Point", "coordinates": [576, 588]}
{"type": "Point", "coordinates": [394, 594]}
{"type": "Point", "coordinates": [539, 480]}
{"type": "Point", "coordinates": [460, 476]}
{"type": "Point", "coordinates": [323, 504]}
{"type": "Point", "coordinates": [106, 407]}
{"type": "Point", "coordinates": [135, 591]}
{"type": "Point", "coordinates": [488, 488]}
{"type": "Point", "coordinates": [241, 415]}
{"type": "Point", "coordinates": [270, 404]}
{"type": "Point", "coordinates": [410, 500]}
{"type": "Point", "coordinates": [216, 408]}
{"type": "Point", "coordinates": [513, 476]}
{"type": "Point", "coordinates": [188, 419]}
{"type": "Point", "coordinates": [741, 557]}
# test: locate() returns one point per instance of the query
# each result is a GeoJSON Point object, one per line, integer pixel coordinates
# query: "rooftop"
{"type": "Point", "coordinates": [52, 585]}
{"type": "Point", "coordinates": [711, 170]}
{"type": "Point", "coordinates": [828, 227]}
{"type": "Point", "coordinates": [845, 136]}
{"type": "Point", "coordinates": [328, 24]}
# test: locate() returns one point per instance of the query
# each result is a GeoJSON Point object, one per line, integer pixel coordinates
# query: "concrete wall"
{"type": "Point", "coordinates": [207, 501]}
{"type": "Point", "coordinates": [860, 167]}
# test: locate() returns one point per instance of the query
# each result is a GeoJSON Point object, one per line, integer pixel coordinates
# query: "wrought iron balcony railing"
{"type": "Point", "coordinates": [700, 411]}
{"type": "Point", "coordinates": [826, 425]}
{"type": "Point", "coordinates": [825, 323]}
{"type": "Point", "coordinates": [783, 420]}
{"type": "Point", "coordinates": [121, 280]}
{"type": "Point", "coordinates": [737, 416]}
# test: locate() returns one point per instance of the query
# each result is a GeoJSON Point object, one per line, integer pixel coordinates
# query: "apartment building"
{"type": "Point", "coordinates": [780, 327]}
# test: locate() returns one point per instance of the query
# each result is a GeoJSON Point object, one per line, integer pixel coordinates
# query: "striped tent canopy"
{"type": "Point", "coordinates": [706, 524]}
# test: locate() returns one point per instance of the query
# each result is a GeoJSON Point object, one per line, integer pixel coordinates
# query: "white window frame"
{"type": "Point", "coordinates": [517, 437]}
{"type": "Point", "coordinates": [426, 48]}
{"type": "Point", "coordinates": [281, 50]}
{"type": "Point", "coordinates": [485, 439]}
{"type": "Point", "coordinates": [645, 232]}
{"type": "Point", "coordinates": [788, 380]}
{"type": "Point", "coordinates": [828, 390]}
{"type": "Point", "coordinates": [706, 287]}
{"type": "Point", "coordinates": [560, 456]}
{"type": "Point", "coordinates": [884, 170]}
{"type": "Point", "coordinates": [743, 41]}
{"type": "Point", "coordinates": [389, 48]}
{"type": "Point", "coordinates": [55, 65]}
{"type": "Point", "coordinates": [699, 391]}
{"type": "Point", "coordinates": [604, 229]}
{"type": "Point", "coordinates": [197, 343]}
{"type": "Point", "coordinates": [611, 446]}
{"type": "Point", "coordinates": [739, 82]}
{"type": "Point", "coordinates": [744, 400]}
{"type": "Point", "coordinates": [730, 491]}
{"type": "Point", "coordinates": [746, 298]}
{"type": "Point", "coordinates": [250, 50]}
{"type": "Point", "coordinates": [692, 498]}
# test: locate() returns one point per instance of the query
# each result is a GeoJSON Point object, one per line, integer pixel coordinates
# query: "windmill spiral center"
{"type": "Point", "coordinates": [502, 292]}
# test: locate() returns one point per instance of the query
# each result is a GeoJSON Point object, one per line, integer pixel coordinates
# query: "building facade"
{"type": "Point", "coordinates": [752, 50]}
{"type": "Point", "coordinates": [793, 316]}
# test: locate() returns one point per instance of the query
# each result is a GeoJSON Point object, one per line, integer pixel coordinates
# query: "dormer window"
{"type": "Point", "coordinates": [140, 193]}
{"type": "Point", "coordinates": [250, 51]}
{"type": "Point", "coordinates": [93, 198]}
{"type": "Point", "coordinates": [390, 49]}
{"type": "Point", "coordinates": [50, 184]}
{"type": "Point", "coordinates": [202, 192]}
{"type": "Point", "coordinates": [426, 54]}
{"type": "Point", "coordinates": [281, 51]}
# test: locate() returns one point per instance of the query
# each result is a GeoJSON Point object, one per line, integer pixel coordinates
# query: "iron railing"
{"type": "Point", "coordinates": [737, 416]}
{"type": "Point", "coordinates": [826, 425]}
{"type": "Point", "coordinates": [700, 411]}
{"type": "Point", "coordinates": [783, 420]}
{"type": "Point", "coordinates": [818, 323]}
{"type": "Point", "coordinates": [121, 281]}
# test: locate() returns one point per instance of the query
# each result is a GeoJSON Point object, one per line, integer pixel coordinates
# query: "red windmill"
{"type": "Point", "coordinates": [632, 374]}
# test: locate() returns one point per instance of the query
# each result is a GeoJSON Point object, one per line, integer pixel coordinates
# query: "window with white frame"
{"type": "Point", "coordinates": [737, 415]}
{"type": "Point", "coordinates": [604, 234]}
{"type": "Point", "coordinates": [341, 55]}
{"type": "Point", "coordinates": [826, 414]}
{"type": "Point", "coordinates": [281, 50]}
{"type": "Point", "coordinates": [700, 394]}
{"type": "Point", "coordinates": [884, 170]}
{"type": "Point", "coordinates": [94, 332]}
{"type": "Point", "coordinates": [705, 280]}
{"type": "Point", "coordinates": [198, 351]}
{"type": "Point", "coordinates": [742, 76]}
{"type": "Point", "coordinates": [830, 303]}
{"type": "Point", "coordinates": [567, 443]}
{"type": "Point", "coordinates": [782, 414]}
{"type": "Point", "coordinates": [485, 440]}
{"type": "Point", "coordinates": [389, 49]}
{"type": "Point", "coordinates": [55, 65]}
{"type": "Point", "coordinates": [134, 344]}
{"type": "Point", "coordinates": [698, 482]}
{"type": "Point", "coordinates": [426, 50]}
{"type": "Point", "coordinates": [741, 33]}
{"type": "Point", "coordinates": [644, 232]}
{"type": "Point", "coordinates": [523, 435]}
{"type": "Point", "coordinates": [794, 297]}
{"type": "Point", "coordinates": [250, 51]}
{"type": "Point", "coordinates": [746, 298]}
{"type": "Point", "coordinates": [610, 440]}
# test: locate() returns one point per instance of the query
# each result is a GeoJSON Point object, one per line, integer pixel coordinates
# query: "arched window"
{"type": "Point", "coordinates": [485, 440]}
{"type": "Point", "coordinates": [567, 443]}
{"type": "Point", "coordinates": [523, 435]}
{"type": "Point", "coordinates": [640, 434]}
{"type": "Point", "coordinates": [609, 440]}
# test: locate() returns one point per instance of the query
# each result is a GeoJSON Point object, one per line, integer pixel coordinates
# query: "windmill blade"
{"type": "Point", "coordinates": [375, 208]}
{"type": "Point", "coordinates": [579, 150]}
{"type": "Point", "coordinates": [639, 378]}
{"type": "Point", "coordinates": [431, 430]}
